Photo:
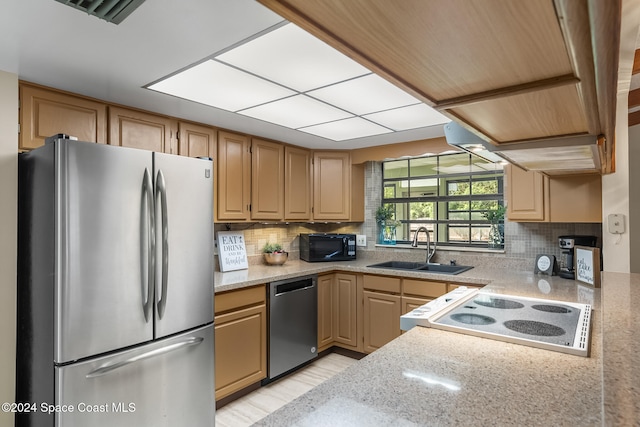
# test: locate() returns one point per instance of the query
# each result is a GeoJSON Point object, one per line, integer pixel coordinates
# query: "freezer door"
{"type": "Point", "coordinates": [165, 383]}
{"type": "Point", "coordinates": [184, 243]}
{"type": "Point", "coordinates": [102, 249]}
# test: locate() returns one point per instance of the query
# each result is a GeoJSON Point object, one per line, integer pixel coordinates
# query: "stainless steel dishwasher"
{"type": "Point", "coordinates": [293, 324]}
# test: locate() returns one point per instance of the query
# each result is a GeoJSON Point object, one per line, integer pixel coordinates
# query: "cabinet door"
{"type": "Point", "coordinates": [381, 319]}
{"type": "Point", "coordinates": [240, 349]}
{"type": "Point", "coordinates": [234, 177]}
{"type": "Point", "coordinates": [137, 129]}
{"type": "Point", "coordinates": [345, 309]}
{"type": "Point", "coordinates": [267, 180]}
{"type": "Point", "coordinates": [525, 194]}
{"type": "Point", "coordinates": [410, 303]}
{"type": "Point", "coordinates": [575, 198]}
{"type": "Point", "coordinates": [326, 317]}
{"type": "Point", "coordinates": [331, 185]}
{"type": "Point", "coordinates": [297, 184]}
{"type": "Point", "coordinates": [44, 113]}
{"type": "Point", "coordinates": [197, 141]}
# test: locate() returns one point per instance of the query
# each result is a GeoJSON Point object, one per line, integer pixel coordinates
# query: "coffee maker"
{"type": "Point", "coordinates": [568, 243]}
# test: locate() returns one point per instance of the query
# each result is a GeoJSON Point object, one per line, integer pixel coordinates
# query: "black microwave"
{"type": "Point", "coordinates": [327, 247]}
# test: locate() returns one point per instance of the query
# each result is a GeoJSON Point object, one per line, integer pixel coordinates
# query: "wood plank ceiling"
{"type": "Point", "coordinates": [634, 95]}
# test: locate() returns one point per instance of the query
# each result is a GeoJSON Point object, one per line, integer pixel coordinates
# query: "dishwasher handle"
{"type": "Point", "coordinates": [279, 289]}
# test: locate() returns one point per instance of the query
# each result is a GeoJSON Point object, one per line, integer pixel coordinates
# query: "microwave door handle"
{"type": "Point", "coordinates": [161, 194]}
{"type": "Point", "coordinates": [147, 244]}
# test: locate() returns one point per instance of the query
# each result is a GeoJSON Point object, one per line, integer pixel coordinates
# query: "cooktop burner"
{"type": "Point", "coordinates": [553, 325]}
{"type": "Point", "coordinates": [473, 319]}
{"type": "Point", "coordinates": [498, 303]}
{"type": "Point", "coordinates": [531, 327]}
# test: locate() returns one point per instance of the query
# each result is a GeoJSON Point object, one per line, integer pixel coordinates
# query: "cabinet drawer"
{"type": "Point", "coordinates": [424, 288]}
{"type": "Point", "coordinates": [232, 300]}
{"type": "Point", "coordinates": [381, 283]}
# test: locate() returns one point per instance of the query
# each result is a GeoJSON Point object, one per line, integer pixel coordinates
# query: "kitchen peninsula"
{"type": "Point", "coordinates": [432, 377]}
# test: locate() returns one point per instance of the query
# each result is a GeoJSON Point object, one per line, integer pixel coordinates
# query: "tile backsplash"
{"type": "Point", "coordinates": [523, 241]}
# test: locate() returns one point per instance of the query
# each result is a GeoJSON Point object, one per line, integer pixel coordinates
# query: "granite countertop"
{"type": "Point", "coordinates": [262, 273]}
{"type": "Point", "coordinates": [433, 377]}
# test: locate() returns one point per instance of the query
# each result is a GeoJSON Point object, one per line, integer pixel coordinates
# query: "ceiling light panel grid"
{"type": "Point", "coordinates": [290, 78]}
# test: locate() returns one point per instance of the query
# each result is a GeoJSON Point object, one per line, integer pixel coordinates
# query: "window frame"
{"type": "Point", "coordinates": [442, 222]}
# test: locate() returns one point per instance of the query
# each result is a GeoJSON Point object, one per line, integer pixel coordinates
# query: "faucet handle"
{"type": "Point", "coordinates": [453, 262]}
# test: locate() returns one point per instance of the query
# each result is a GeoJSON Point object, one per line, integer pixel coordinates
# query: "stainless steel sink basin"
{"type": "Point", "coordinates": [421, 266]}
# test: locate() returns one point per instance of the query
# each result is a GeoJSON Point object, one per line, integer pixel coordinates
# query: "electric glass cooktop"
{"type": "Point", "coordinates": [549, 324]}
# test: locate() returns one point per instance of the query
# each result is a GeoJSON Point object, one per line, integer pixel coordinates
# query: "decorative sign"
{"type": "Point", "coordinates": [232, 252]}
{"type": "Point", "coordinates": [587, 265]}
{"type": "Point", "coordinates": [546, 264]}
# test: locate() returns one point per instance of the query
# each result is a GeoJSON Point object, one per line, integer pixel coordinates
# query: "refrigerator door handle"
{"type": "Point", "coordinates": [109, 367]}
{"type": "Point", "coordinates": [147, 244]}
{"type": "Point", "coordinates": [161, 193]}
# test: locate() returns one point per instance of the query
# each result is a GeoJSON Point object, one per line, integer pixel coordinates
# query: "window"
{"type": "Point", "coordinates": [447, 194]}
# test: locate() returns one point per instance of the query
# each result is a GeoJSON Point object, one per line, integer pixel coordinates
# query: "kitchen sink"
{"type": "Point", "coordinates": [422, 266]}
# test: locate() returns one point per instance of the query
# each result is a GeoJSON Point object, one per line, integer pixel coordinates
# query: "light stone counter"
{"type": "Point", "coordinates": [433, 377]}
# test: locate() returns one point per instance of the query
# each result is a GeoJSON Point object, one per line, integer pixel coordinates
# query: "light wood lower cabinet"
{"type": "Point", "coordinates": [338, 311]}
{"type": "Point", "coordinates": [381, 319]}
{"type": "Point", "coordinates": [345, 311]}
{"type": "Point", "coordinates": [382, 309]}
{"type": "Point", "coordinates": [326, 318]}
{"type": "Point", "coordinates": [240, 339]}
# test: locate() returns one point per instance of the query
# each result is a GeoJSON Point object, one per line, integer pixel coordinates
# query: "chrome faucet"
{"type": "Point", "coordinates": [430, 253]}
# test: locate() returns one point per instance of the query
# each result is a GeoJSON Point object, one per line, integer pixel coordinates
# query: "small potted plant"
{"type": "Point", "coordinates": [496, 232]}
{"type": "Point", "coordinates": [274, 254]}
{"type": "Point", "coordinates": [387, 225]}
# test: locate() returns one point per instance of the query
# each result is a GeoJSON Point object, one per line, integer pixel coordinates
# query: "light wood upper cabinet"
{"type": "Point", "coordinates": [240, 339]}
{"type": "Point", "coordinates": [331, 185]}
{"type": "Point", "coordinates": [197, 141]}
{"type": "Point", "coordinates": [137, 129]}
{"type": "Point", "coordinates": [234, 177]}
{"type": "Point", "coordinates": [297, 184]}
{"type": "Point", "coordinates": [525, 194]}
{"type": "Point", "coordinates": [533, 197]}
{"type": "Point", "coordinates": [45, 112]}
{"type": "Point", "coordinates": [267, 180]}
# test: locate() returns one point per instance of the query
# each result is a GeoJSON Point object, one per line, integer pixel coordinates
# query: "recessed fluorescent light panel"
{"type": "Point", "coordinates": [290, 78]}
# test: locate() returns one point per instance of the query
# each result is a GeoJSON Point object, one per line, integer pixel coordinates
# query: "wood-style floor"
{"type": "Point", "coordinates": [258, 404]}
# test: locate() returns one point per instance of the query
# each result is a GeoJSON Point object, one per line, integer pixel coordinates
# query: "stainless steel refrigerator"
{"type": "Point", "coordinates": [115, 288]}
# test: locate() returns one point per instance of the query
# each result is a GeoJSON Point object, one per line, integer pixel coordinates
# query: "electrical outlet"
{"type": "Point", "coordinates": [361, 240]}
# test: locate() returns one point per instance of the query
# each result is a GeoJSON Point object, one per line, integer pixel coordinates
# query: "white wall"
{"type": "Point", "coordinates": [8, 236]}
{"type": "Point", "coordinates": [617, 188]}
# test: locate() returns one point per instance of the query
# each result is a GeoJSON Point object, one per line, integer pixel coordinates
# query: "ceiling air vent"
{"type": "Point", "coordinates": [113, 11]}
